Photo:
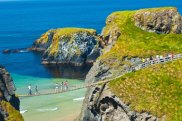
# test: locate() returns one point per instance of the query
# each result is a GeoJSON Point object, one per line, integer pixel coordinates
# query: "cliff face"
{"type": "Point", "coordinates": [9, 103]}
{"type": "Point", "coordinates": [159, 20]}
{"type": "Point", "coordinates": [74, 46]}
{"type": "Point", "coordinates": [126, 44]}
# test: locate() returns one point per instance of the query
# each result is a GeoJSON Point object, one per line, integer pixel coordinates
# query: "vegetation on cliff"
{"type": "Point", "coordinates": [9, 103]}
{"type": "Point", "coordinates": [156, 89]}
{"type": "Point", "coordinates": [135, 42]}
{"type": "Point", "coordinates": [13, 114]}
{"type": "Point", "coordinates": [153, 91]}
{"type": "Point", "coordinates": [75, 46]}
{"type": "Point", "coordinates": [61, 34]}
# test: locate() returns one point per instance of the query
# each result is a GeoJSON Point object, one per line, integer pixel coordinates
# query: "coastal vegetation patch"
{"type": "Point", "coordinates": [156, 89]}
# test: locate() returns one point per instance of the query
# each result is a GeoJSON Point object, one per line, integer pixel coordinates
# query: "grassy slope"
{"type": "Point", "coordinates": [136, 42]}
{"type": "Point", "coordinates": [156, 89]}
{"type": "Point", "coordinates": [62, 32]}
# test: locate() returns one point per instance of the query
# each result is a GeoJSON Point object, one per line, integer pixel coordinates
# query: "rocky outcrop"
{"type": "Point", "coordinates": [9, 103]}
{"type": "Point", "coordinates": [159, 20]}
{"type": "Point", "coordinates": [100, 103]}
{"type": "Point", "coordinates": [105, 106]}
{"type": "Point", "coordinates": [99, 72]}
{"type": "Point", "coordinates": [73, 46]}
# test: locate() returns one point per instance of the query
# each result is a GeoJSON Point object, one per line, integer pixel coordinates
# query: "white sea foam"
{"type": "Point", "coordinates": [23, 51]}
{"type": "Point", "coordinates": [79, 99]}
{"type": "Point", "coordinates": [23, 111]}
{"type": "Point", "coordinates": [47, 109]}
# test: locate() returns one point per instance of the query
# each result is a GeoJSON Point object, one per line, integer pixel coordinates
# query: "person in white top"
{"type": "Point", "coordinates": [57, 88]}
{"type": "Point", "coordinates": [30, 90]}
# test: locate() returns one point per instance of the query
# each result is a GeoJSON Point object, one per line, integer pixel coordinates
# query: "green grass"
{"type": "Point", "coordinates": [156, 89]}
{"type": "Point", "coordinates": [137, 42]}
{"type": "Point", "coordinates": [65, 34]}
{"type": "Point", "coordinates": [70, 31]}
{"type": "Point", "coordinates": [158, 9]}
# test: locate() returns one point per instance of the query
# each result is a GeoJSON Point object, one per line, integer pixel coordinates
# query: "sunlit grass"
{"type": "Point", "coordinates": [156, 89]}
{"type": "Point", "coordinates": [134, 41]}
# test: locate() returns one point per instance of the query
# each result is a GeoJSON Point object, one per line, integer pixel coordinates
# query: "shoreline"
{"type": "Point", "coordinates": [58, 107]}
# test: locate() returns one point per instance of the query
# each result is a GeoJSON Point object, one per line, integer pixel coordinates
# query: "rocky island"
{"type": "Point", "coordinates": [150, 94]}
{"type": "Point", "coordinates": [9, 103]}
{"type": "Point", "coordinates": [74, 46]}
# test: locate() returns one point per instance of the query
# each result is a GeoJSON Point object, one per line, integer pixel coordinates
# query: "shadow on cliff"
{"type": "Point", "coordinates": [68, 71]}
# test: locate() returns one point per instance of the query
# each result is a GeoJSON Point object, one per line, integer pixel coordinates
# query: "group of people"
{"type": "Point", "coordinates": [63, 86]}
{"type": "Point", "coordinates": [30, 90]}
{"type": "Point", "coordinates": [158, 57]}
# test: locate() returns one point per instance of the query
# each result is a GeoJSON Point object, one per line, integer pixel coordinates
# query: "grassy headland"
{"type": "Point", "coordinates": [135, 42]}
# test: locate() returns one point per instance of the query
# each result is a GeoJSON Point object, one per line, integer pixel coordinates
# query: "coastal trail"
{"type": "Point", "coordinates": [138, 67]}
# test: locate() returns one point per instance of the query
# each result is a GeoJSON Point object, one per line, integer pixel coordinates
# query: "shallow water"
{"type": "Point", "coordinates": [52, 107]}
{"type": "Point", "coordinates": [57, 107]}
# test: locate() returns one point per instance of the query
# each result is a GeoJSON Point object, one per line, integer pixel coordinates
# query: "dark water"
{"type": "Point", "coordinates": [23, 21]}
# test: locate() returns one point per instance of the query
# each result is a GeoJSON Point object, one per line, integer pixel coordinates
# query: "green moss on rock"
{"type": "Point", "coordinates": [61, 34]}
{"type": "Point", "coordinates": [13, 114]}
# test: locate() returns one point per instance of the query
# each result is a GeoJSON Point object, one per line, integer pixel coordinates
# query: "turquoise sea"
{"type": "Point", "coordinates": [23, 21]}
{"type": "Point", "coordinates": [58, 107]}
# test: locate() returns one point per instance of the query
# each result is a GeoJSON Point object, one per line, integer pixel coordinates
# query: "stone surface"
{"type": "Point", "coordinates": [7, 98]}
{"type": "Point", "coordinates": [76, 48]}
{"type": "Point", "coordinates": [100, 103]}
{"type": "Point", "coordinates": [103, 105]}
{"type": "Point", "coordinates": [159, 20]}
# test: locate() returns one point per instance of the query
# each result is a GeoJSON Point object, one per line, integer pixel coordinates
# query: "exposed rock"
{"type": "Point", "coordinates": [100, 103]}
{"type": "Point", "coordinates": [103, 105]}
{"type": "Point", "coordinates": [100, 71]}
{"type": "Point", "coordinates": [68, 46]}
{"type": "Point", "coordinates": [159, 20]}
{"type": "Point", "coordinates": [7, 51]}
{"type": "Point", "coordinates": [9, 103]}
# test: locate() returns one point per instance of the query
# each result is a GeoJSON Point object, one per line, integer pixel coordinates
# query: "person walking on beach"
{"type": "Point", "coordinates": [57, 88]}
{"type": "Point", "coordinates": [62, 86]}
{"type": "Point", "coordinates": [66, 85]}
{"type": "Point", "coordinates": [29, 89]}
{"type": "Point", "coordinates": [36, 90]}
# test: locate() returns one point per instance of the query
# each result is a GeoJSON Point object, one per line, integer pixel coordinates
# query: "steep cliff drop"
{"type": "Point", "coordinates": [131, 36]}
{"type": "Point", "coordinates": [9, 103]}
{"type": "Point", "coordinates": [74, 46]}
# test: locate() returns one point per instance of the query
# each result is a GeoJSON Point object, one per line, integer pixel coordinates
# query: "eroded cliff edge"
{"type": "Point", "coordinates": [130, 36]}
{"type": "Point", "coordinates": [9, 103]}
{"type": "Point", "coordinates": [74, 46]}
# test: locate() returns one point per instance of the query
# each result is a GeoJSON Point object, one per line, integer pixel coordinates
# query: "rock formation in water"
{"type": "Point", "coordinates": [130, 36]}
{"type": "Point", "coordinates": [9, 103]}
{"type": "Point", "coordinates": [73, 46]}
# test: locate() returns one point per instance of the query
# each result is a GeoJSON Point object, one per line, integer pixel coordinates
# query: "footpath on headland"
{"type": "Point", "coordinates": [146, 63]}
